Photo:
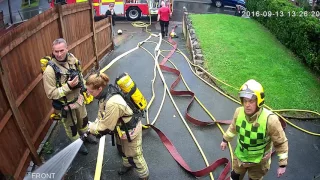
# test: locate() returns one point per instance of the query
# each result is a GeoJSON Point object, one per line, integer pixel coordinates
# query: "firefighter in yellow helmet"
{"type": "Point", "coordinates": [257, 130]}
{"type": "Point", "coordinates": [63, 82]}
{"type": "Point", "coordinates": [115, 116]}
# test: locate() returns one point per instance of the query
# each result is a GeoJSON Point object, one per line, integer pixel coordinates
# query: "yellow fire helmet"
{"type": "Point", "coordinates": [252, 88]}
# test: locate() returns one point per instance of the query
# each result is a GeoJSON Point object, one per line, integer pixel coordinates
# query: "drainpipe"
{"type": "Point", "coordinates": [10, 13]}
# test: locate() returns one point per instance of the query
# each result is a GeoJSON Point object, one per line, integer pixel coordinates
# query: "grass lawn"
{"type": "Point", "coordinates": [237, 49]}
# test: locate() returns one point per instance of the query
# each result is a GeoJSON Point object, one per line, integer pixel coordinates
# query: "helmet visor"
{"type": "Point", "coordinates": [246, 94]}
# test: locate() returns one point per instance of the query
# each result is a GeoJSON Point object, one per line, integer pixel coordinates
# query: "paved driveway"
{"type": "Point", "coordinates": [304, 149]}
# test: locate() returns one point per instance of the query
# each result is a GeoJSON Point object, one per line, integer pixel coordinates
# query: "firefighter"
{"type": "Point", "coordinates": [164, 14]}
{"type": "Point", "coordinates": [257, 130]}
{"type": "Point", "coordinates": [114, 116]}
{"type": "Point", "coordinates": [111, 12]}
{"type": "Point", "coordinates": [63, 82]}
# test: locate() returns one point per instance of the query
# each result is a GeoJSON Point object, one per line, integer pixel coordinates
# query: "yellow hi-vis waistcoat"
{"type": "Point", "coordinates": [251, 140]}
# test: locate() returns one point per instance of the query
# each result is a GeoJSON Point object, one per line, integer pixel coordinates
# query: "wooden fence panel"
{"type": "Point", "coordinates": [78, 33]}
{"type": "Point", "coordinates": [5, 112]}
{"type": "Point", "coordinates": [17, 35]}
{"type": "Point", "coordinates": [85, 53]}
{"type": "Point", "coordinates": [77, 25]}
{"type": "Point", "coordinates": [104, 39]}
{"type": "Point", "coordinates": [35, 110]}
{"type": "Point", "coordinates": [10, 139]}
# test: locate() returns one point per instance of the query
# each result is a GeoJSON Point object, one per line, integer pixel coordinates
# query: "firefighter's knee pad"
{"type": "Point", "coordinates": [235, 176]}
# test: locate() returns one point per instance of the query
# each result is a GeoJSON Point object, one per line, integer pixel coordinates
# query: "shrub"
{"type": "Point", "coordinates": [300, 33]}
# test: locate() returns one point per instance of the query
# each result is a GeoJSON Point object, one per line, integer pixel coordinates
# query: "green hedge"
{"type": "Point", "coordinates": [300, 34]}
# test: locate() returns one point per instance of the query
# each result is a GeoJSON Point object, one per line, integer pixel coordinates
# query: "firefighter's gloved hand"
{"type": "Point", "coordinates": [77, 104]}
{"type": "Point", "coordinates": [90, 138]}
{"type": "Point", "coordinates": [89, 125]}
{"type": "Point", "coordinates": [72, 83]}
{"type": "Point", "coordinates": [102, 133]}
{"type": "Point", "coordinates": [84, 136]}
{"type": "Point", "coordinates": [98, 136]}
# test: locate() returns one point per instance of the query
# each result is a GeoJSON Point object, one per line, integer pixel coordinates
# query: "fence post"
{"type": "Point", "coordinates": [17, 115]}
{"type": "Point", "coordinates": [94, 35]}
{"type": "Point", "coordinates": [2, 25]}
{"type": "Point", "coordinates": [61, 25]}
{"type": "Point", "coordinates": [184, 25]}
{"type": "Point", "coordinates": [111, 34]}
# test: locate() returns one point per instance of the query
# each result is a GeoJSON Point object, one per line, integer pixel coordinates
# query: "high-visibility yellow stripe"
{"type": "Point", "coordinates": [230, 134]}
{"type": "Point", "coordinates": [81, 1]}
{"type": "Point", "coordinates": [84, 129]}
{"type": "Point", "coordinates": [95, 4]}
{"type": "Point", "coordinates": [119, 3]}
{"type": "Point", "coordinates": [96, 132]}
{"type": "Point", "coordinates": [283, 156]}
{"type": "Point", "coordinates": [61, 92]}
{"type": "Point", "coordinates": [267, 151]}
{"type": "Point", "coordinates": [120, 133]}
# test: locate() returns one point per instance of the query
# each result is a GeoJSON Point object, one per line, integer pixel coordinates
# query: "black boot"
{"type": "Point", "coordinates": [83, 150]}
{"type": "Point", "coordinates": [123, 170]}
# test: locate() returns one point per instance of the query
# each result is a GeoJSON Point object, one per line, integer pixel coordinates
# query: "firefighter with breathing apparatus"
{"type": "Point", "coordinates": [257, 130]}
{"type": "Point", "coordinates": [63, 84]}
{"type": "Point", "coordinates": [120, 110]}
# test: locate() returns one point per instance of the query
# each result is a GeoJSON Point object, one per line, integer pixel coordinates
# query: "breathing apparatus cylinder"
{"type": "Point", "coordinates": [44, 62]}
{"type": "Point", "coordinates": [128, 86]}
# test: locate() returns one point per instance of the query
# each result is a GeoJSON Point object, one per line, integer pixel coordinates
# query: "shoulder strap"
{"type": "Point", "coordinates": [57, 72]}
{"type": "Point", "coordinates": [77, 63]}
{"type": "Point", "coordinates": [113, 90]}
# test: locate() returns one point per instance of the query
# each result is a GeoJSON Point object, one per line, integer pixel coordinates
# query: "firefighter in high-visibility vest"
{"type": "Point", "coordinates": [63, 82]}
{"type": "Point", "coordinates": [257, 130]}
{"type": "Point", "coordinates": [117, 117]}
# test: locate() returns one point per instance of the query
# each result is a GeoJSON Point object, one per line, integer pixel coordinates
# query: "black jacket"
{"type": "Point", "coordinates": [108, 13]}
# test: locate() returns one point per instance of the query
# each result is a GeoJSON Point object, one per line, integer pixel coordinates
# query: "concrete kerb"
{"type": "Point", "coordinates": [195, 48]}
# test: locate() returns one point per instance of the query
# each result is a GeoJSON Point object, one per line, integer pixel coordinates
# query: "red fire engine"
{"type": "Point", "coordinates": [131, 9]}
